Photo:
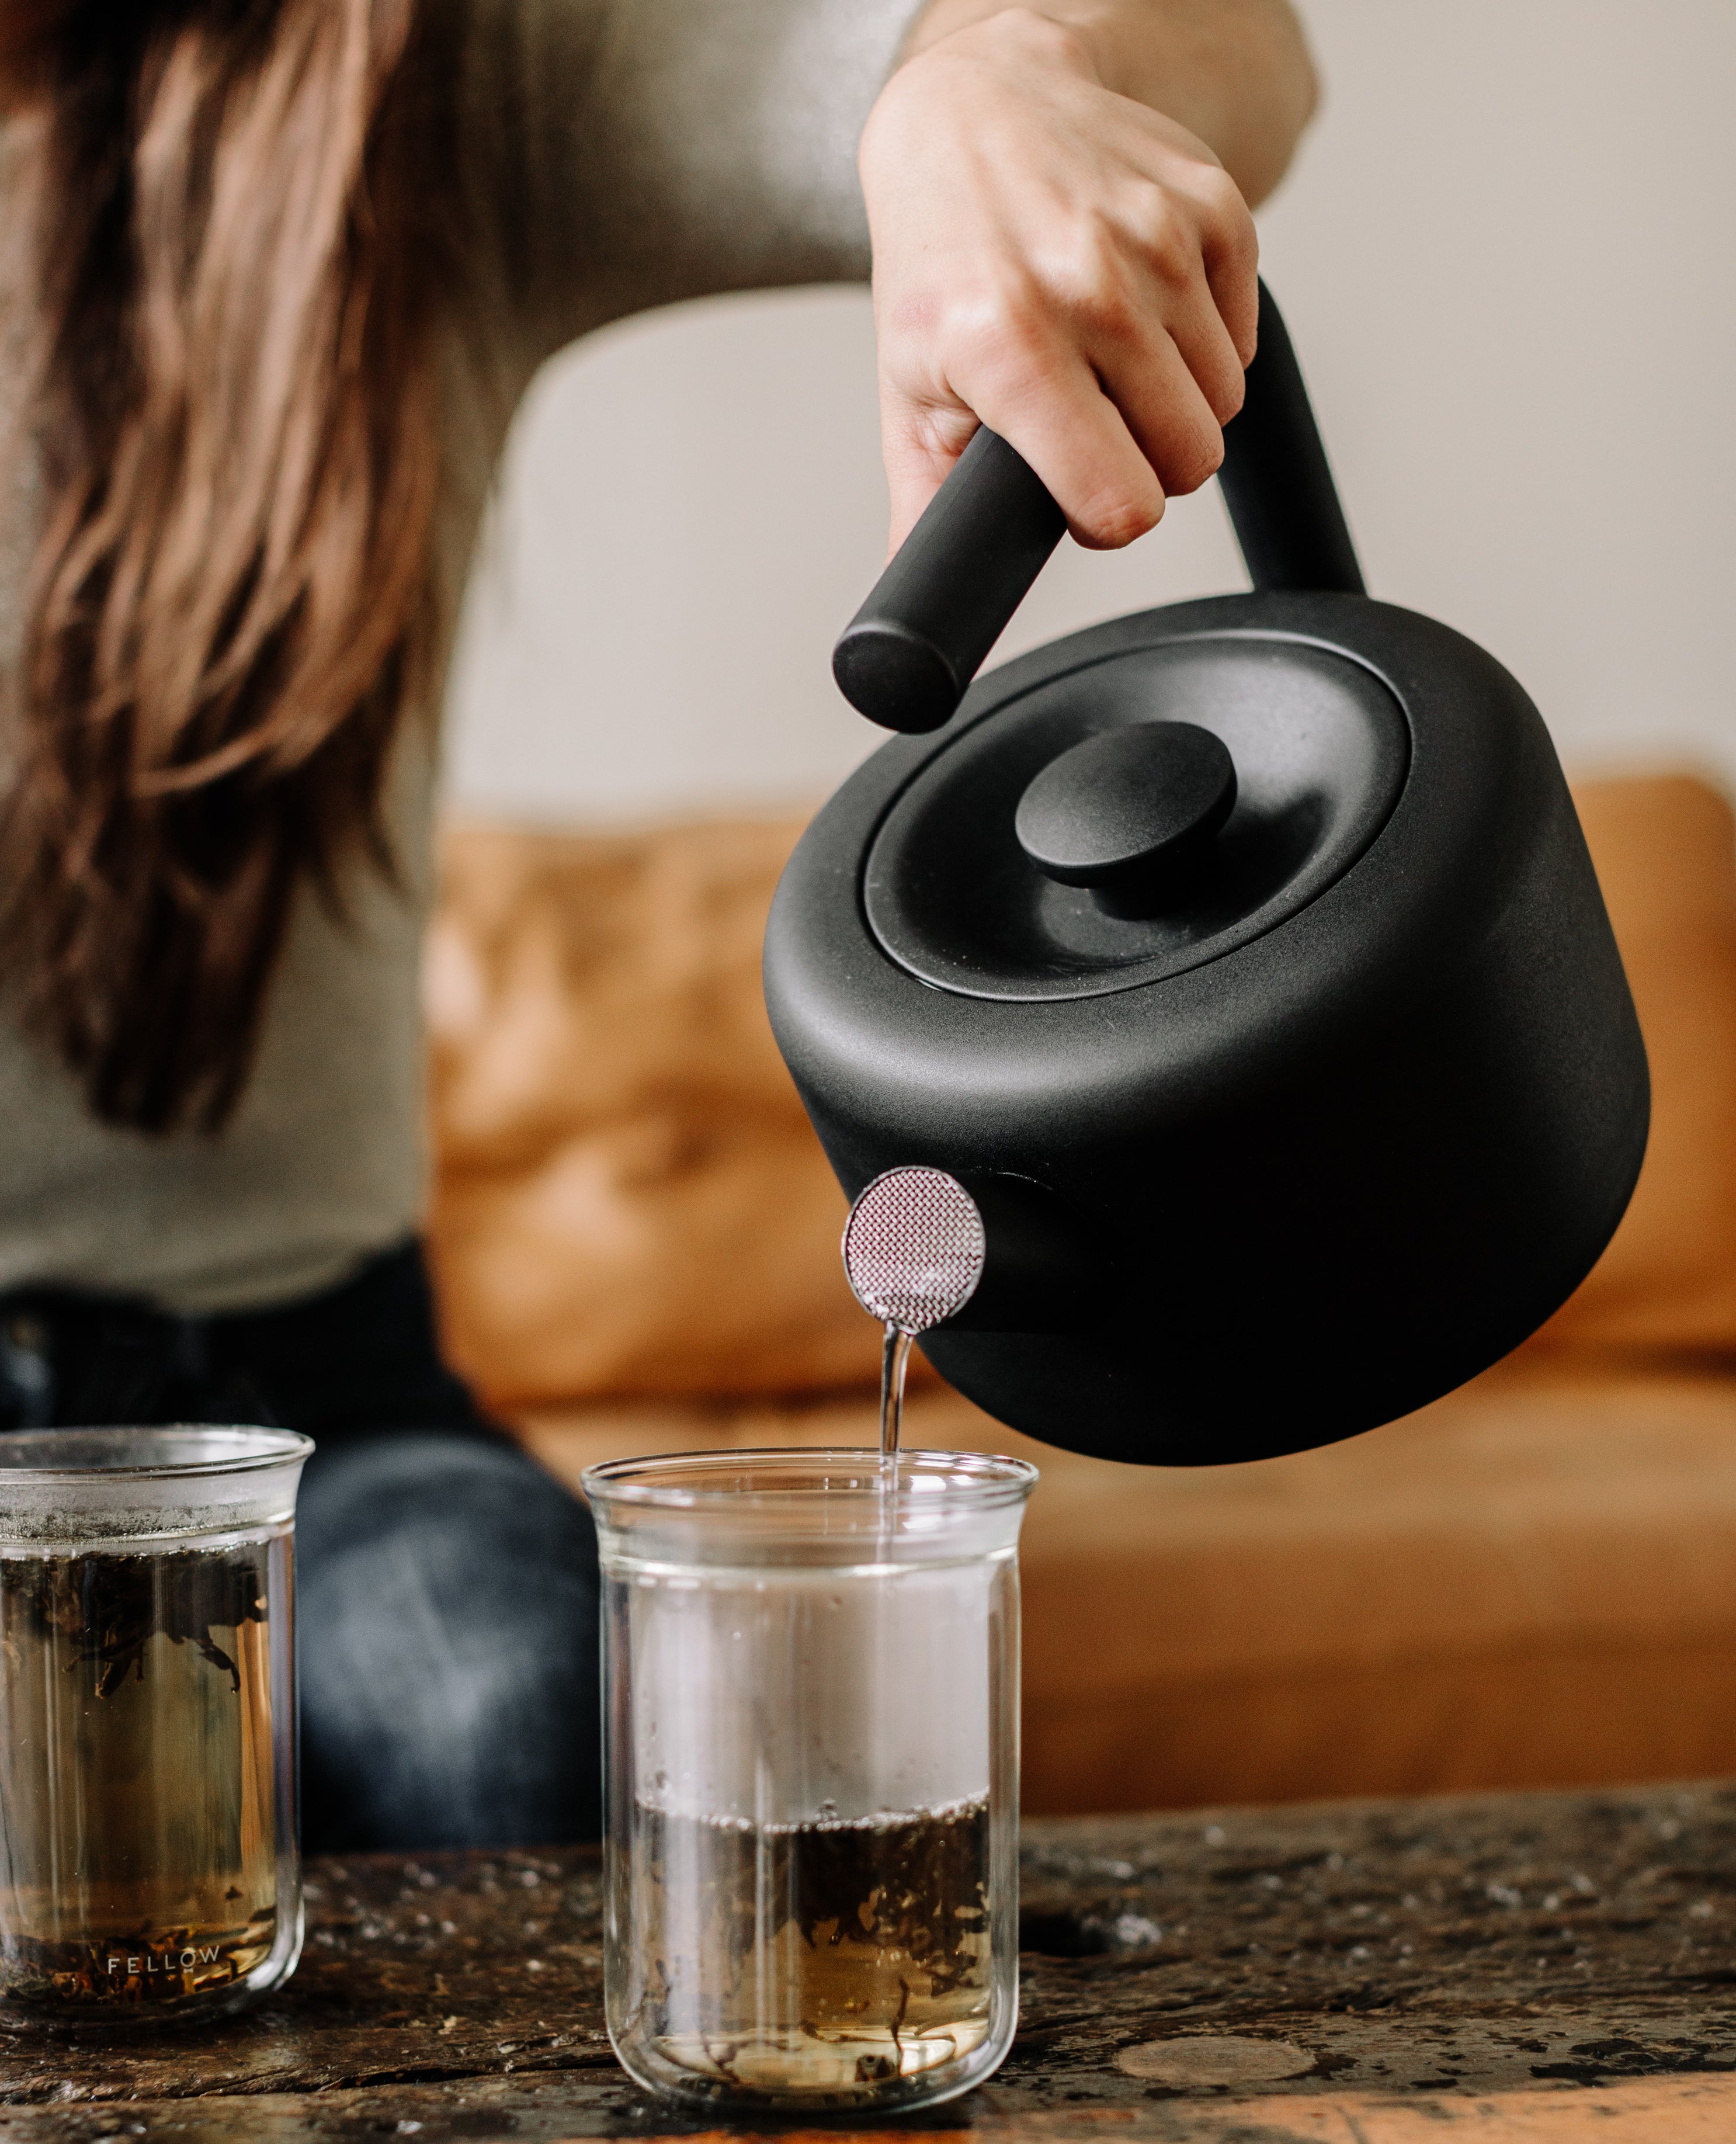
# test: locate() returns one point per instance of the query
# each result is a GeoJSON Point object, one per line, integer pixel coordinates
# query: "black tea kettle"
{"type": "Point", "coordinates": [1216, 1007]}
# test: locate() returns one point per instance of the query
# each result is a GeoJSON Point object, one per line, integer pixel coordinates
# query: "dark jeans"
{"type": "Point", "coordinates": [446, 1585]}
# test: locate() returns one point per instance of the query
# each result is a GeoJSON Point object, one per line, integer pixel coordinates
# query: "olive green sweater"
{"type": "Point", "coordinates": [615, 155]}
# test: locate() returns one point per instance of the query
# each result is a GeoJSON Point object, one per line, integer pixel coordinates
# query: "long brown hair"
{"type": "Point", "coordinates": [236, 424]}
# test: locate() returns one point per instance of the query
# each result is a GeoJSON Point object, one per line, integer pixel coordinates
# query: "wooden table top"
{"type": "Point", "coordinates": [1536, 1969]}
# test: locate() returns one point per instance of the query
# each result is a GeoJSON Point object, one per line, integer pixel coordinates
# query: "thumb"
{"type": "Point", "coordinates": [919, 446]}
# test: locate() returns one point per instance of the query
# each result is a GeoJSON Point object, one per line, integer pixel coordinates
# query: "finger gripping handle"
{"type": "Point", "coordinates": [909, 652]}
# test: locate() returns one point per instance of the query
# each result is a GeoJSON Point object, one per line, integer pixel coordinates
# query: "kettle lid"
{"type": "Point", "coordinates": [1141, 813]}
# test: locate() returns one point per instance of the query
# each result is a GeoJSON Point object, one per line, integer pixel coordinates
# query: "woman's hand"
{"type": "Point", "coordinates": [1059, 261]}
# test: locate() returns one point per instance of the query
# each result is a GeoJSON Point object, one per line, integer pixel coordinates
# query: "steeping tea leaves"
{"type": "Point", "coordinates": [820, 1958]}
{"type": "Point", "coordinates": [138, 1843]}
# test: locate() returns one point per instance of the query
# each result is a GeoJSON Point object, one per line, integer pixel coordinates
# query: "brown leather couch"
{"type": "Point", "coordinates": [1530, 1582]}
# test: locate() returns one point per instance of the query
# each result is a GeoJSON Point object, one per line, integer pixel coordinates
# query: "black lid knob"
{"type": "Point", "coordinates": [1130, 813]}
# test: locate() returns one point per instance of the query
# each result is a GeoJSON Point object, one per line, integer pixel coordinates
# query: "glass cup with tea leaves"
{"type": "Point", "coordinates": [148, 1865]}
{"type": "Point", "coordinates": [811, 1667]}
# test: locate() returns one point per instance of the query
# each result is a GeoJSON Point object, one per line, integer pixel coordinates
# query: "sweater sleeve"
{"type": "Point", "coordinates": [623, 154]}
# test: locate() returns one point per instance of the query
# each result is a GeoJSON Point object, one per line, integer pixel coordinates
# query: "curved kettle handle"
{"type": "Point", "coordinates": [906, 657]}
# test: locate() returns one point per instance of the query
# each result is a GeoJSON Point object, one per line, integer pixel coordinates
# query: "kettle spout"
{"type": "Point", "coordinates": [979, 1252]}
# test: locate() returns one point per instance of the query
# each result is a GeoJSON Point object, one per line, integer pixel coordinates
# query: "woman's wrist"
{"type": "Point", "coordinates": [1077, 26]}
{"type": "Point", "coordinates": [1235, 73]}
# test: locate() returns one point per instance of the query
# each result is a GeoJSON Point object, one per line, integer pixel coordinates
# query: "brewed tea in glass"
{"type": "Point", "coordinates": [811, 1719]}
{"type": "Point", "coordinates": [148, 1866]}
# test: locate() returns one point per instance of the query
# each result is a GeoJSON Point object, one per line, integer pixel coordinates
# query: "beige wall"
{"type": "Point", "coordinates": [1508, 253]}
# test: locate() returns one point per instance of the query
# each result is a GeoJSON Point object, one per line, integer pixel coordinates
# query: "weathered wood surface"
{"type": "Point", "coordinates": [1487, 1965]}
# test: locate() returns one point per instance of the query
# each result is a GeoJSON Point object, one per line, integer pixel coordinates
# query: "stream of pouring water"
{"type": "Point", "coordinates": [895, 1361]}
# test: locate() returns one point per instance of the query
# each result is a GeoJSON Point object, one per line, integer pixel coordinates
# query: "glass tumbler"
{"type": "Point", "coordinates": [148, 1866]}
{"type": "Point", "coordinates": [811, 1680]}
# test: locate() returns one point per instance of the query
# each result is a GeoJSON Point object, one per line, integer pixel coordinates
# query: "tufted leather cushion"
{"type": "Point", "coordinates": [1666, 853]}
{"type": "Point", "coordinates": [629, 1199]}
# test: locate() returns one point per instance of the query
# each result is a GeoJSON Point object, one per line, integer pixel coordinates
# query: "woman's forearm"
{"type": "Point", "coordinates": [1235, 73]}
